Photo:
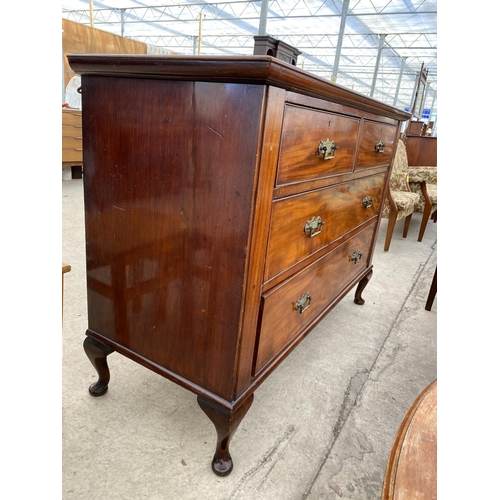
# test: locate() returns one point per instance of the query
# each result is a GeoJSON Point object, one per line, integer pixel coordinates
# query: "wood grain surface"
{"type": "Point", "coordinates": [412, 469]}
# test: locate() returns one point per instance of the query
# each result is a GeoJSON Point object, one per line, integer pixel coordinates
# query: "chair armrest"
{"type": "Point", "coordinates": [419, 174]}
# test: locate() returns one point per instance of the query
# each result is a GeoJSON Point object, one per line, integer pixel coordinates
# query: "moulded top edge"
{"type": "Point", "coordinates": [263, 70]}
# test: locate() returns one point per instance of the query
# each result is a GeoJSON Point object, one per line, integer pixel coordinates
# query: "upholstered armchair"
{"type": "Point", "coordinates": [400, 201]}
{"type": "Point", "coordinates": [423, 181]}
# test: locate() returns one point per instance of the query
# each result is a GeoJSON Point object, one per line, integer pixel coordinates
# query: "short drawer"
{"type": "Point", "coordinates": [303, 224]}
{"type": "Point", "coordinates": [71, 117]}
{"type": "Point", "coordinates": [376, 145]}
{"type": "Point", "coordinates": [288, 308]}
{"type": "Point", "coordinates": [72, 142]}
{"type": "Point", "coordinates": [300, 156]}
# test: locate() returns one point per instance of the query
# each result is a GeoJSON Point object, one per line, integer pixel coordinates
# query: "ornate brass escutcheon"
{"type": "Point", "coordinates": [327, 147]}
{"type": "Point", "coordinates": [379, 147]}
{"type": "Point", "coordinates": [367, 201]}
{"type": "Point", "coordinates": [356, 256]}
{"type": "Point", "coordinates": [303, 303]}
{"type": "Point", "coordinates": [315, 224]}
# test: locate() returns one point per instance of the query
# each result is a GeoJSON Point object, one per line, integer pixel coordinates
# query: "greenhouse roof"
{"type": "Point", "coordinates": [383, 44]}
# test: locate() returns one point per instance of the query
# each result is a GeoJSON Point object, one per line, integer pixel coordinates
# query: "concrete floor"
{"type": "Point", "coordinates": [321, 426]}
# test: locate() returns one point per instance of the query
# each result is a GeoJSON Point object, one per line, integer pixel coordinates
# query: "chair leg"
{"type": "Point", "coordinates": [425, 220]}
{"type": "Point", "coordinates": [407, 225]}
{"type": "Point", "coordinates": [434, 216]}
{"type": "Point", "coordinates": [432, 292]}
{"type": "Point", "coordinates": [390, 229]}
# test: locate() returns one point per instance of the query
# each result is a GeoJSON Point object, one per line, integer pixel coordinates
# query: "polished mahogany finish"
{"type": "Point", "coordinates": [205, 182]}
{"type": "Point", "coordinates": [303, 129]}
{"type": "Point", "coordinates": [291, 214]}
{"type": "Point", "coordinates": [421, 151]}
{"type": "Point", "coordinates": [377, 145]}
{"type": "Point", "coordinates": [412, 467]}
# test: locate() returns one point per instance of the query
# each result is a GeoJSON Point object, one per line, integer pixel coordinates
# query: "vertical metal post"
{"type": "Point", "coordinates": [195, 44]}
{"type": "Point", "coordinates": [199, 35]}
{"type": "Point", "coordinates": [345, 8]}
{"type": "Point", "coordinates": [403, 62]}
{"type": "Point", "coordinates": [425, 97]}
{"type": "Point", "coordinates": [122, 21]}
{"type": "Point", "coordinates": [377, 64]}
{"type": "Point", "coordinates": [264, 7]}
{"type": "Point", "coordinates": [91, 8]}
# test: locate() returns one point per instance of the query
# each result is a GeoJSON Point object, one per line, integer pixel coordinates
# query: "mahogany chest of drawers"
{"type": "Point", "coordinates": [230, 203]}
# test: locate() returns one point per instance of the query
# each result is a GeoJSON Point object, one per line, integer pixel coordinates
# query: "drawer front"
{"type": "Point", "coordinates": [376, 145]}
{"type": "Point", "coordinates": [71, 117]}
{"type": "Point", "coordinates": [323, 280]}
{"type": "Point", "coordinates": [71, 131]}
{"type": "Point", "coordinates": [72, 155]}
{"type": "Point", "coordinates": [72, 142]}
{"type": "Point", "coordinates": [303, 129]}
{"type": "Point", "coordinates": [296, 232]}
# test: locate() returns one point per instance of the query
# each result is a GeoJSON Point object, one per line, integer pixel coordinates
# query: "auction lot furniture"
{"type": "Point", "coordinates": [412, 468]}
{"type": "Point", "coordinates": [421, 151]}
{"type": "Point", "coordinates": [423, 181]}
{"type": "Point", "coordinates": [400, 201]}
{"type": "Point", "coordinates": [230, 203]}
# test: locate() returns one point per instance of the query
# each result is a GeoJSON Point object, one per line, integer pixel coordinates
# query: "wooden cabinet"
{"type": "Point", "coordinates": [421, 151]}
{"type": "Point", "coordinates": [230, 203]}
{"type": "Point", "coordinates": [72, 137]}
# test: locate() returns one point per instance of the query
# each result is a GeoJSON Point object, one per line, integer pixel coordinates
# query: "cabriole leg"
{"type": "Point", "coordinates": [97, 353]}
{"type": "Point", "coordinates": [225, 423]}
{"type": "Point", "coordinates": [361, 286]}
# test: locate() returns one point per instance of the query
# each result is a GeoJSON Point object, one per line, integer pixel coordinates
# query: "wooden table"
{"type": "Point", "coordinates": [412, 468]}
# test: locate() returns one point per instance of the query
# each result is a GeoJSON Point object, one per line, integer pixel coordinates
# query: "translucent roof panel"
{"type": "Point", "coordinates": [382, 50]}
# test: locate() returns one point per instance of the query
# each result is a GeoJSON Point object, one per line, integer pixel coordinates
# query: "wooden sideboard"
{"type": "Point", "coordinates": [421, 151]}
{"type": "Point", "coordinates": [72, 137]}
{"type": "Point", "coordinates": [230, 203]}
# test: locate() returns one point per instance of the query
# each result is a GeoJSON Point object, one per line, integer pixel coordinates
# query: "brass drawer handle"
{"type": "Point", "coordinates": [312, 225]}
{"type": "Point", "coordinates": [379, 147]}
{"type": "Point", "coordinates": [327, 147]}
{"type": "Point", "coordinates": [303, 303]}
{"type": "Point", "coordinates": [356, 256]}
{"type": "Point", "coordinates": [367, 202]}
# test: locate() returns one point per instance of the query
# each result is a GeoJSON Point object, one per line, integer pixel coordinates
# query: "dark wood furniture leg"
{"type": "Point", "coordinates": [425, 220]}
{"type": "Point", "coordinates": [97, 353]}
{"type": "Point", "coordinates": [432, 292]}
{"type": "Point", "coordinates": [226, 423]}
{"type": "Point", "coordinates": [390, 229]}
{"type": "Point", "coordinates": [361, 286]}
{"type": "Point", "coordinates": [407, 225]}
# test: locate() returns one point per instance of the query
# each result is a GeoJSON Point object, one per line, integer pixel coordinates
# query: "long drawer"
{"type": "Point", "coordinates": [71, 130]}
{"type": "Point", "coordinates": [72, 155]}
{"type": "Point", "coordinates": [288, 308]}
{"type": "Point", "coordinates": [303, 224]}
{"type": "Point", "coordinates": [71, 117]}
{"type": "Point", "coordinates": [72, 142]}
{"type": "Point", "coordinates": [376, 144]}
{"type": "Point", "coordinates": [303, 130]}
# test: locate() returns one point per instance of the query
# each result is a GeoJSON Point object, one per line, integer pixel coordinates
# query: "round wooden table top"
{"type": "Point", "coordinates": [412, 468]}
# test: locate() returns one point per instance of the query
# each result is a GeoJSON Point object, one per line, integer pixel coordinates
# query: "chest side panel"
{"type": "Point", "coordinates": [168, 199]}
